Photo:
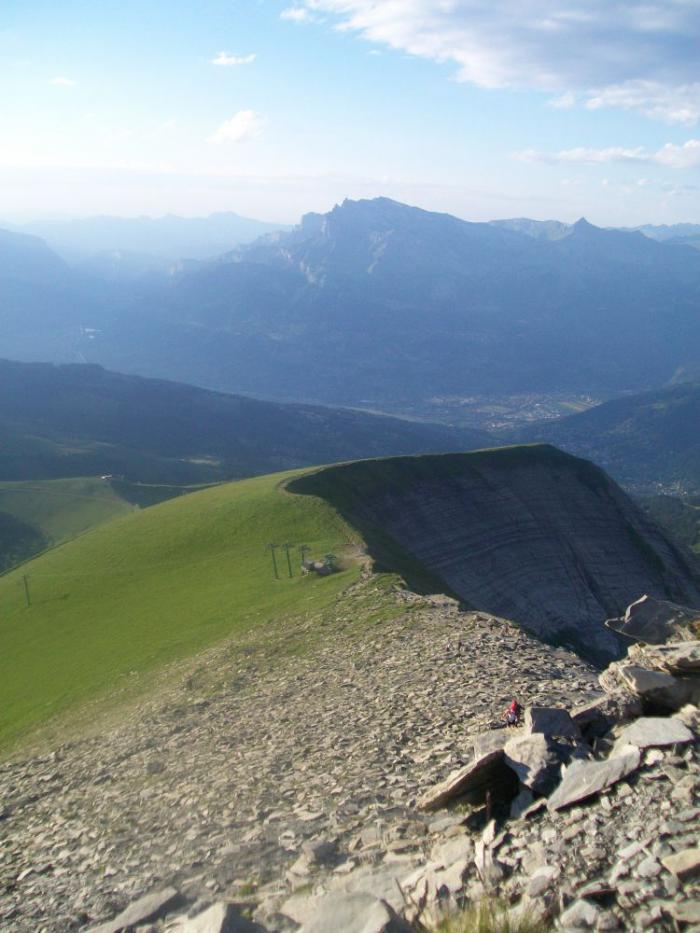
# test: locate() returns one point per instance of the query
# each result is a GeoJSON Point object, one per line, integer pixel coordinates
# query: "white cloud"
{"type": "Point", "coordinates": [227, 60]}
{"type": "Point", "coordinates": [679, 104]}
{"type": "Point", "coordinates": [63, 82]}
{"type": "Point", "coordinates": [670, 155]}
{"type": "Point", "coordinates": [685, 156]}
{"type": "Point", "coordinates": [635, 54]}
{"type": "Point", "coordinates": [297, 14]}
{"type": "Point", "coordinates": [246, 124]}
{"type": "Point", "coordinates": [563, 102]}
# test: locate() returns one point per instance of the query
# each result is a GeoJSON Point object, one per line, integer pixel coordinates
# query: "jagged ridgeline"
{"type": "Point", "coordinates": [528, 533]}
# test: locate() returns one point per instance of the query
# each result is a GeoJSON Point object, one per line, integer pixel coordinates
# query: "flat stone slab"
{"type": "Point", "coordinates": [492, 741]}
{"type": "Point", "coordinates": [684, 864]}
{"type": "Point", "coordinates": [654, 731]}
{"type": "Point", "coordinates": [475, 777]}
{"type": "Point", "coordinates": [587, 778]}
{"type": "Point", "coordinates": [352, 913]}
{"type": "Point", "coordinates": [641, 680]}
{"type": "Point", "coordinates": [219, 918]}
{"type": "Point", "coordinates": [145, 910]}
{"type": "Point", "coordinates": [551, 720]}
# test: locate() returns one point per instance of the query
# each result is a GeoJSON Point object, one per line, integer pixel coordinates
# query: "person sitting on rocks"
{"type": "Point", "coordinates": [512, 714]}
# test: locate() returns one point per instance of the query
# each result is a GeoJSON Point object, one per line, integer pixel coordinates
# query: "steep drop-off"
{"type": "Point", "coordinates": [528, 533]}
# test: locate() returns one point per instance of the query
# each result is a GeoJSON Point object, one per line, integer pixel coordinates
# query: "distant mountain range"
{"type": "Point", "coordinates": [167, 238]}
{"type": "Point", "coordinates": [62, 421]}
{"type": "Point", "coordinates": [648, 442]}
{"type": "Point", "coordinates": [377, 304]}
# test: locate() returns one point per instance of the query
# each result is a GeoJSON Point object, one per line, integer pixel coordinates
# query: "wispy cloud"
{"type": "Point", "coordinates": [61, 81]}
{"type": "Point", "coordinates": [297, 14]}
{"type": "Point", "coordinates": [246, 124]}
{"type": "Point", "coordinates": [671, 155]}
{"type": "Point", "coordinates": [563, 102]}
{"type": "Point", "coordinates": [680, 104]}
{"type": "Point", "coordinates": [633, 54]}
{"type": "Point", "coordinates": [227, 60]}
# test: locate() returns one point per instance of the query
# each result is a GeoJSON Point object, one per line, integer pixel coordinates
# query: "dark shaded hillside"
{"type": "Point", "coordinates": [528, 533]}
{"type": "Point", "coordinates": [80, 420]}
{"type": "Point", "coordinates": [648, 442]}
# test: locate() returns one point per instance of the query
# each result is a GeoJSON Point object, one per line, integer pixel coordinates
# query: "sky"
{"type": "Point", "coordinates": [273, 108]}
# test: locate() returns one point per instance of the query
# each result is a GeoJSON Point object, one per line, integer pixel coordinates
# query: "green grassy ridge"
{"type": "Point", "coordinates": [39, 514]}
{"type": "Point", "coordinates": [62, 508]}
{"type": "Point", "coordinates": [154, 586]}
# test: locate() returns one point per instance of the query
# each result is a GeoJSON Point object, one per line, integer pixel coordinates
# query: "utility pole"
{"type": "Point", "coordinates": [285, 548]}
{"type": "Point", "coordinates": [25, 578]}
{"type": "Point", "coordinates": [271, 549]}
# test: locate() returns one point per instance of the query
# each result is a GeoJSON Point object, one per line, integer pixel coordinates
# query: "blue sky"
{"type": "Point", "coordinates": [541, 108]}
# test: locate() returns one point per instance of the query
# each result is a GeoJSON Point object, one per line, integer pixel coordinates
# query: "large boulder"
{"type": "Point", "coordinates": [537, 760]}
{"type": "Point", "coordinates": [680, 659]}
{"type": "Point", "coordinates": [657, 621]}
{"type": "Point", "coordinates": [656, 688]}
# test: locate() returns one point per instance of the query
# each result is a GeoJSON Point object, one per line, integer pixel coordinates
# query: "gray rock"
{"type": "Point", "coordinates": [220, 918]}
{"type": "Point", "coordinates": [642, 681]}
{"type": "Point", "coordinates": [551, 721]}
{"type": "Point", "coordinates": [520, 804]}
{"type": "Point", "coordinates": [581, 915]}
{"type": "Point", "coordinates": [491, 741]}
{"type": "Point", "coordinates": [584, 779]}
{"type": "Point", "coordinates": [685, 864]}
{"type": "Point", "coordinates": [655, 621]}
{"type": "Point", "coordinates": [653, 686]}
{"type": "Point", "coordinates": [536, 759]}
{"type": "Point", "coordinates": [598, 717]}
{"type": "Point", "coordinates": [654, 731]}
{"type": "Point", "coordinates": [541, 880]}
{"type": "Point", "coordinates": [682, 658]}
{"type": "Point", "coordinates": [474, 780]}
{"type": "Point", "coordinates": [321, 851]}
{"type": "Point", "coordinates": [686, 912]}
{"type": "Point", "coordinates": [353, 913]}
{"type": "Point", "coordinates": [145, 910]}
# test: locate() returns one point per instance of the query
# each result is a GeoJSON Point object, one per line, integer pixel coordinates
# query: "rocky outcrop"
{"type": "Point", "coordinates": [528, 533]}
{"type": "Point", "coordinates": [657, 621]}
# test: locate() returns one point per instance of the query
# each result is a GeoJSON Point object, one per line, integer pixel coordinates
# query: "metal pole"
{"type": "Point", "coordinates": [289, 562]}
{"type": "Point", "coordinates": [271, 549]}
{"type": "Point", "coordinates": [25, 578]}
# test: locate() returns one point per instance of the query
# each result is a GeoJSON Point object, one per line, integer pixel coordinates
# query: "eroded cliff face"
{"type": "Point", "coordinates": [528, 533]}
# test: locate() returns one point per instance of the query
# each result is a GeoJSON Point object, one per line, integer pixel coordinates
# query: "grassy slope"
{"type": "Point", "coordinates": [151, 587]}
{"type": "Point", "coordinates": [62, 508]}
